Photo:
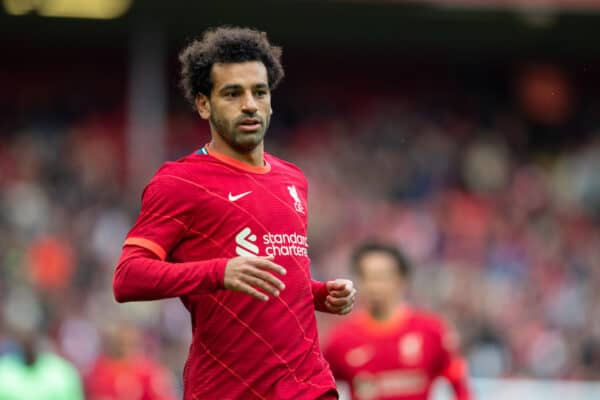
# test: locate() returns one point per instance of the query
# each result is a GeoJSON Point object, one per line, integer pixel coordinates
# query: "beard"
{"type": "Point", "coordinates": [242, 142]}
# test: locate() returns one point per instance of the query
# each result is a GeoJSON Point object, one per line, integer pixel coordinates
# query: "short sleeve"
{"type": "Point", "coordinates": [164, 218]}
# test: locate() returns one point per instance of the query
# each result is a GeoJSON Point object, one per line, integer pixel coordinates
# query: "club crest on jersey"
{"type": "Point", "coordinates": [410, 348]}
{"type": "Point", "coordinates": [297, 203]}
{"type": "Point", "coordinates": [359, 356]}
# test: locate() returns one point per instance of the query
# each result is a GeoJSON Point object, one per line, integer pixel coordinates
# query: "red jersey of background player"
{"type": "Point", "coordinates": [398, 359]}
{"type": "Point", "coordinates": [136, 378]}
{"type": "Point", "coordinates": [242, 347]}
{"type": "Point", "coordinates": [123, 372]}
{"type": "Point", "coordinates": [389, 351]}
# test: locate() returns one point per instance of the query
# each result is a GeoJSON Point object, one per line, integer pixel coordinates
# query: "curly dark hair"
{"type": "Point", "coordinates": [375, 247]}
{"type": "Point", "coordinates": [226, 45]}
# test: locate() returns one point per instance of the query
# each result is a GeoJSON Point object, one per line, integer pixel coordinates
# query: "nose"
{"type": "Point", "coordinates": [249, 104]}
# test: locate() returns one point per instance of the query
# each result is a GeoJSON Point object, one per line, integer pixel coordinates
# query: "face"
{"type": "Point", "coordinates": [239, 106]}
{"type": "Point", "coordinates": [381, 284]}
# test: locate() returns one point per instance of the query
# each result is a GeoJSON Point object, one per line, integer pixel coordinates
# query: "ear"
{"type": "Point", "coordinates": [203, 106]}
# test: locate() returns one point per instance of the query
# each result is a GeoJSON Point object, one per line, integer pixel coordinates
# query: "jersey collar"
{"type": "Point", "coordinates": [235, 163]}
{"type": "Point", "coordinates": [395, 322]}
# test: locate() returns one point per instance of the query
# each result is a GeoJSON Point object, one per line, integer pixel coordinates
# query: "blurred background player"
{"type": "Point", "coordinates": [124, 372]}
{"type": "Point", "coordinates": [36, 373]}
{"type": "Point", "coordinates": [388, 349]}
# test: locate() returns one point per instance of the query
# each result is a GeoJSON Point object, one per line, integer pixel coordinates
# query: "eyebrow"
{"type": "Point", "coordinates": [235, 86]}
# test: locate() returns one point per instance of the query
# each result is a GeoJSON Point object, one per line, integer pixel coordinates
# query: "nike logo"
{"type": "Point", "coordinates": [238, 196]}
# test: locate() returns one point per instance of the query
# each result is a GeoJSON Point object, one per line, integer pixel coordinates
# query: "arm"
{"type": "Point", "coordinates": [456, 373]}
{"type": "Point", "coordinates": [141, 275]}
{"type": "Point", "coordinates": [335, 297]}
{"type": "Point", "coordinates": [454, 367]}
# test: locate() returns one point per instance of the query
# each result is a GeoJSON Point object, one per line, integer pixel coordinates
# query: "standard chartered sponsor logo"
{"type": "Point", "coordinates": [245, 243]}
{"type": "Point", "coordinates": [391, 383]}
{"type": "Point", "coordinates": [275, 244]}
{"type": "Point", "coordinates": [285, 244]}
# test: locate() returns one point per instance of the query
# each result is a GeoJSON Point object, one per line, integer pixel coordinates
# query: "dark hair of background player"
{"type": "Point", "coordinates": [372, 247]}
{"type": "Point", "coordinates": [225, 45]}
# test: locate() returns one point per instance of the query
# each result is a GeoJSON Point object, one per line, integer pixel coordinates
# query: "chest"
{"type": "Point", "coordinates": [407, 350]}
{"type": "Point", "coordinates": [248, 215]}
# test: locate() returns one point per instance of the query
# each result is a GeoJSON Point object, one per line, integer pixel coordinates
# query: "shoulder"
{"type": "Point", "coordinates": [284, 166]}
{"type": "Point", "coordinates": [186, 166]}
{"type": "Point", "coordinates": [429, 321]}
{"type": "Point", "coordinates": [56, 363]}
{"type": "Point", "coordinates": [175, 177]}
{"type": "Point", "coordinates": [437, 327]}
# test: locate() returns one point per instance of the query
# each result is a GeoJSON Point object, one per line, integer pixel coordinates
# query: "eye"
{"type": "Point", "coordinates": [230, 95]}
{"type": "Point", "coordinates": [261, 93]}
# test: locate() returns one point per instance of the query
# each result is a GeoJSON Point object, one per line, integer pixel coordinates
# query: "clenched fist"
{"type": "Point", "coordinates": [340, 296]}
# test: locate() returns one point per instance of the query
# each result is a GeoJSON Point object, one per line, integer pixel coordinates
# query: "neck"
{"type": "Point", "coordinates": [255, 157]}
{"type": "Point", "coordinates": [382, 312]}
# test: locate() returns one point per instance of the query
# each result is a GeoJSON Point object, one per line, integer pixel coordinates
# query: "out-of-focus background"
{"type": "Point", "coordinates": [467, 132]}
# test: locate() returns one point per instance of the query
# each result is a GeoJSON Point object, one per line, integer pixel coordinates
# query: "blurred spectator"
{"type": "Point", "coordinates": [33, 373]}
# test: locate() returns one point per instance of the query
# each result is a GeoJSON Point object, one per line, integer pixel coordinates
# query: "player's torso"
{"type": "Point", "coordinates": [246, 214]}
{"type": "Point", "coordinates": [400, 364]}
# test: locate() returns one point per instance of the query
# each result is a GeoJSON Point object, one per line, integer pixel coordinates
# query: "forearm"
{"type": "Point", "coordinates": [140, 275]}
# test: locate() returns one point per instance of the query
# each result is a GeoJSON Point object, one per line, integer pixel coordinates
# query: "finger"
{"type": "Point", "coordinates": [348, 292]}
{"type": "Point", "coordinates": [346, 310]}
{"type": "Point", "coordinates": [259, 283]}
{"type": "Point", "coordinates": [332, 308]}
{"type": "Point", "coordinates": [264, 263]}
{"type": "Point", "coordinates": [340, 293]}
{"type": "Point", "coordinates": [340, 310]}
{"type": "Point", "coordinates": [337, 301]}
{"type": "Point", "coordinates": [267, 277]}
{"type": "Point", "coordinates": [245, 288]}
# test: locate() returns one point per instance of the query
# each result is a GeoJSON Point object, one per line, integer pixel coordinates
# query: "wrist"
{"type": "Point", "coordinates": [319, 291]}
{"type": "Point", "coordinates": [218, 272]}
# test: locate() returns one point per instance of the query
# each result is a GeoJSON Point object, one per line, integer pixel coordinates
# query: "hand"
{"type": "Point", "coordinates": [249, 274]}
{"type": "Point", "coordinates": [340, 298]}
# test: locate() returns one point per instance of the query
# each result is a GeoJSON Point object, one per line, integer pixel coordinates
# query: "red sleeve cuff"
{"type": "Point", "coordinates": [319, 291]}
{"type": "Point", "coordinates": [219, 272]}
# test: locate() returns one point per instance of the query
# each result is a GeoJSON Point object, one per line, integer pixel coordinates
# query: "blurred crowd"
{"type": "Point", "coordinates": [502, 228]}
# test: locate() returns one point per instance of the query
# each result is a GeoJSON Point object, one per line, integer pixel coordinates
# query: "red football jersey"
{"type": "Point", "coordinates": [134, 377]}
{"type": "Point", "coordinates": [207, 206]}
{"type": "Point", "coordinates": [394, 360]}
